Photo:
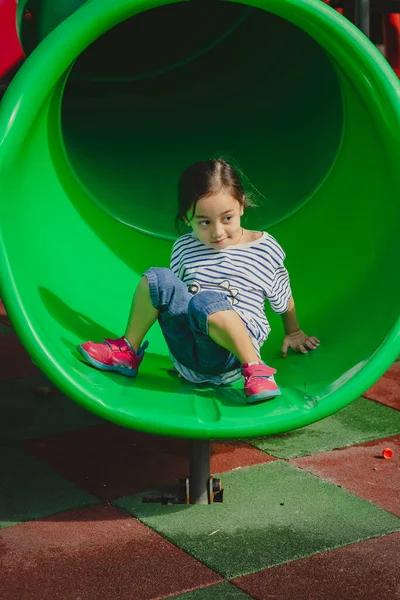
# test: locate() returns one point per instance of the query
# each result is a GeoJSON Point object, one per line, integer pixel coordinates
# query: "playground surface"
{"type": "Point", "coordinates": [309, 514]}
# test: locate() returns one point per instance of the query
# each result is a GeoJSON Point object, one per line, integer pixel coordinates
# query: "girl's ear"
{"type": "Point", "coordinates": [242, 208]}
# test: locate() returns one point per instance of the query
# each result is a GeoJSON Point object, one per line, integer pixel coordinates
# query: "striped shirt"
{"type": "Point", "coordinates": [247, 274]}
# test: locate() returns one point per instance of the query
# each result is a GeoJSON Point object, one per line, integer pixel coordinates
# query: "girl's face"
{"type": "Point", "coordinates": [216, 221]}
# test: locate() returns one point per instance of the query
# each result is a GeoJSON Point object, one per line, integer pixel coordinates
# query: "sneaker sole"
{"type": "Point", "coordinates": [270, 395]}
{"type": "Point", "coordinates": [102, 367]}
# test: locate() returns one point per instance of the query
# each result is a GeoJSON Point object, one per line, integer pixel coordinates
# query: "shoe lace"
{"type": "Point", "coordinates": [114, 345]}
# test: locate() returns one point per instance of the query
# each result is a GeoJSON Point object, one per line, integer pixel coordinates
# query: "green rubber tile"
{"type": "Point", "coordinates": [32, 407]}
{"type": "Point", "coordinates": [30, 489]}
{"type": "Point", "coordinates": [361, 421]}
{"type": "Point", "coordinates": [271, 514]}
{"type": "Point", "coordinates": [221, 591]}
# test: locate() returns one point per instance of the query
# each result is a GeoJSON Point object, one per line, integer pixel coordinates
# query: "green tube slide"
{"type": "Point", "coordinates": [111, 105]}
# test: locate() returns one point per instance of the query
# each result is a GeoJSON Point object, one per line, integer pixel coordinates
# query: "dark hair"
{"type": "Point", "coordinates": [203, 178]}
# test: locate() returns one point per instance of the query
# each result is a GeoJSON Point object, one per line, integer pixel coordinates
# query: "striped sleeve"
{"type": "Point", "coordinates": [280, 291]}
{"type": "Point", "coordinates": [174, 261]}
{"type": "Point", "coordinates": [179, 250]}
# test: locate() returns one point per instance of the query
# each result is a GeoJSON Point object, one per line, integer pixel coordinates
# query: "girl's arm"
{"type": "Point", "coordinates": [290, 322]}
{"type": "Point", "coordinates": [295, 338]}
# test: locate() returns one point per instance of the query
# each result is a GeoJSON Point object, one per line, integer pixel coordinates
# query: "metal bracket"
{"type": "Point", "coordinates": [199, 487]}
{"type": "Point", "coordinates": [181, 495]}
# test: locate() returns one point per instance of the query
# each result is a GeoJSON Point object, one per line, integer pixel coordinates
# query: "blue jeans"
{"type": "Point", "coordinates": [183, 319]}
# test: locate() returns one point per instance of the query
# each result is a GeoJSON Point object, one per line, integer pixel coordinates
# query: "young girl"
{"type": "Point", "coordinates": [210, 302]}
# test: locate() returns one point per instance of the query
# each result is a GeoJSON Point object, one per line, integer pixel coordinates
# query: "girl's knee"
{"type": "Point", "coordinates": [166, 290]}
{"type": "Point", "coordinates": [203, 305]}
{"type": "Point", "coordinates": [209, 302]}
{"type": "Point", "coordinates": [161, 278]}
{"type": "Point", "coordinates": [161, 273]}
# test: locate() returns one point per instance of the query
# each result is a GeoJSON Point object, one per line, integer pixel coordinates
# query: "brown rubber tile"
{"type": "Point", "coordinates": [387, 389]}
{"type": "Point", "coordinates": [15, 362]}
{"type": "Point", "coordinates": [364, 571]}
{"type": "Point", "coordinates": [361, 470]}
{"type": "Point", "coordinates": [112, 462]}
{"type": "Point", "coordinates": [93, 554]}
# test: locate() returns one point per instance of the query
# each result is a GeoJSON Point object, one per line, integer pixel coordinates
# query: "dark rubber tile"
{"type": "Point", "coordinates": [33, 407]}
{"type": "Point", "coordinates": [111, 462]}
{"type": "Point", "coordinates": [15, 362]}
{"type": "Point", "coordinates": [4, 320]}
{"type": "Point", "coordinates": [362, 471]}
{"type": "Point", "coordinates": [365, 571]}
{"type": "Point", "coordinates": [271, 514]}
{"type": "Point", "coordinates": [30, 489]}
{"type": "Point", "coordinates": [97, 553]}
{"type": "Point", "coordinates": [4, 328]}
{"type": "Point", "coordinates": [361, 421]}
{"type": "Point", "coordinates": [387, 389]}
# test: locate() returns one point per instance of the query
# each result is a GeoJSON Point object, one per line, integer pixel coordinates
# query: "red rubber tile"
{"type": "Point", "coordinates": [112, 462]}
{"type": "Point", "coordinates": [361, 470]}
{"type": "Point", "coordinates": [364, 571]}
{"type": "Point", "coordinates": [387, 389]}
{"type": "Point", "coordinates": [94, 553]}
{"type": "Point", "coordinates": [227, 456]}
{"type": "Point", "coordinates": [15, 362]}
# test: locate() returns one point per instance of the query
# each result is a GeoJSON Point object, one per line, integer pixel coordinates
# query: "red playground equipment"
{"type": "Point", "coordinates": [10, 48]}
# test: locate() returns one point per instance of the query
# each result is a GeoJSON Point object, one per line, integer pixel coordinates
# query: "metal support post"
{"type": "Point", "coordinates": [362, 16]}
{"type": "Point", "coordinates": [200, 453]}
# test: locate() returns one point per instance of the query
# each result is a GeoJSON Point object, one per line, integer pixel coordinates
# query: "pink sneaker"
{"type": "Point", "coordinates": [113, 355]}
{"type": "Point", "coordinates": [259, 382]}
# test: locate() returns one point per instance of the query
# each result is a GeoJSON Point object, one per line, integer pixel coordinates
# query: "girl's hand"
{"type": "Point", "coordinates": [299, 342]}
